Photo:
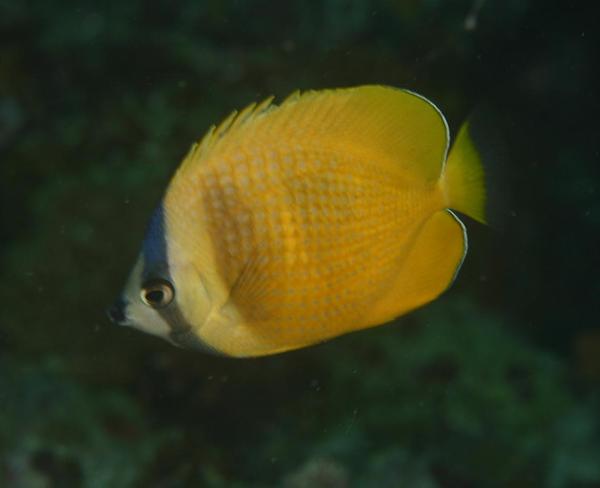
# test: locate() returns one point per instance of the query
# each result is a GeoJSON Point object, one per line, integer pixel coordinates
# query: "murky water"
{"type": "Point", "coordinates": [497, 383]}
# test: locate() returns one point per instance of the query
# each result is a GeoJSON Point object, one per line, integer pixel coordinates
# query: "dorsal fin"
{"type": "Point", "coordinates": [215, 133]}
{"type": "Point", "coordinates": [398, 127]}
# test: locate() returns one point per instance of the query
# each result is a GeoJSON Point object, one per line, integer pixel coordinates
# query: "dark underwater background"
{"type": "Point", "coordinates": [495, 384]}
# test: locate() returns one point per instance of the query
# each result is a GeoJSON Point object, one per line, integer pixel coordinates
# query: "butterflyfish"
{"type": "Point", "coordinates": [291, 224]}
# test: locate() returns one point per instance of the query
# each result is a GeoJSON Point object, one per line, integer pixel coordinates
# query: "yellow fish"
{"type": "Point", "coordinates": [288, 225]}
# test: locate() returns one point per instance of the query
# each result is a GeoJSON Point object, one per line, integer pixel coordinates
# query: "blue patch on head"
{"type": "Point", "coordinates": [154, 247]}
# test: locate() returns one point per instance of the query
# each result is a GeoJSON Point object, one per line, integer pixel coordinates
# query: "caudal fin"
{"type": "Point", "coordinates": [464, 178]}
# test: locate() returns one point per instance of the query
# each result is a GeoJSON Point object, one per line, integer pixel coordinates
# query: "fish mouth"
{"type": "Point", "coordinates": [116, 312]}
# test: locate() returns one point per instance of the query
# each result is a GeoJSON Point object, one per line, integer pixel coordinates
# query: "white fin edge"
{"type": "Point", "coordinates": [465, 246]}
{"type": "Point", "coordinates": [439, 112]}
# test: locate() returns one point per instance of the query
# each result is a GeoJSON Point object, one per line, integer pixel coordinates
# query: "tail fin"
{"type": "Point", "coordinates": [463, 180]}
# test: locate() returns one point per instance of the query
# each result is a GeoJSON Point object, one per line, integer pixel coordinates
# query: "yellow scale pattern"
{"type": "Point", "coordinates": [321, 229]}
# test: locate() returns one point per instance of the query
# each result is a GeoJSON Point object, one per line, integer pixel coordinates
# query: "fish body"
{"type": "Point", "coordinates": [289, 225]}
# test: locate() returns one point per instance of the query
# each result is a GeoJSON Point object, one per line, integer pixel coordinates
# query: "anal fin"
{"type": "Point", "coordinates": [427, 270]}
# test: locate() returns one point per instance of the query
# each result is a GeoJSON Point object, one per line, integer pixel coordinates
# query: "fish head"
{"type": "Point", "coordinates": [139, 304]}
{"type": "Point", "coordinates": [165, 294]}
{"type": "Point", "coordinates": [172, 306]}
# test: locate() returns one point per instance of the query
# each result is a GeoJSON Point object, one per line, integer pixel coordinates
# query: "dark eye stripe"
{"type": "Point", "coordinates": [154, 247]}
{"type": "Point", "coordinates": [156, 266]}
{"type": "Point", "coordinates": [182, 333]}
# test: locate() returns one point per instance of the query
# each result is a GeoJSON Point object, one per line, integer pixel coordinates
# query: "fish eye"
{"type": "Point", "coordinates": [157, 293]}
